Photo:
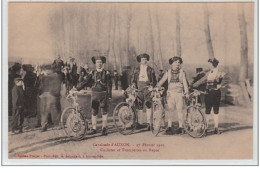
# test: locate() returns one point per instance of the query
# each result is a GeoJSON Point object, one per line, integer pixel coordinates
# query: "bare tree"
{"type": "Point", "coordinates": [109, 35]}
{"type": "Point", "coordinates": [151, 34]}
{"type": "Point", "coordinates": [97, 45]}
{"type": "Point", "coordinates": [128, 27]}
{"type": "Point", "coordinates": [114, 35]}
{"type": "Point", "coordinates": [159, 39]}
{"type": "Point", "coordinates": [207, 33]}
{"type": "Point", "coordinates": [178, 31]}
{"type": "Point", "coordinates": [119, 43]}
{"type": "Point", "coordinates": [243, 73]}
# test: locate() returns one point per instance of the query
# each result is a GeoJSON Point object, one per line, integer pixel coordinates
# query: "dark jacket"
{"type": "Point", "coordinates": [98, 81]}
{"type": "Point", "coordinates": [51, 83]}
{"type": "Point", "coordinates": [17, 97]}
{"type": "Point", "coordinates": [150, 74]}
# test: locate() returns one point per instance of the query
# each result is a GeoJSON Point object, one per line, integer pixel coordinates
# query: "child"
{"type": "Point", "coordinates": [18, 105]}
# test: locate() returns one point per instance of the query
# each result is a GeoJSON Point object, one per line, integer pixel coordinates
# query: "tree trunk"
{"type": "Point", "coordinates": [243, 73]}
{"type": "Point", "coordinates": [207, 33]}
{"type": "Point", "coordinates": [151, 34]}
{"type": "Point", "coordinates": [159, 39]}
{"type": "Point", "coordinates": [119, 43]}
{"type": "Point", "coordinates": [97, 45]}
{"type": "Point", "coordinates": [109, 36]}
{"type": "Point", "coordinates": [178, 32]}
{"type": "Point", "coordinates": [128, 27]}
{"type": "Point", "coordinates": [113, 41]}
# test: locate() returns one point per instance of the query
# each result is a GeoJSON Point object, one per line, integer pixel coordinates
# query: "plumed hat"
{"type": "Point", "coordinates": [94, 58]}
{"type": "Point", "coordinates": [143, 55]}
{"type": "Point", "coordinates": [214, 62]}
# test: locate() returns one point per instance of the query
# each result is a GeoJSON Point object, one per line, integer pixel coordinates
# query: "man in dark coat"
{"type": "Point", "coordinates": [142, 78]}
{"type": "Point", "coordinates": [58, 64]}
{"type": "Point", "coordinates": [116, 78]}
{"type": "Point", "coordinates": [50, 87]}
{"type": "Point", "coordinates": [100, 81]}
{"type": "Point", "coordinates": [18, 105]}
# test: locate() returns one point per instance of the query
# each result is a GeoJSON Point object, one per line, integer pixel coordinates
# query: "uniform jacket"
{"type": "Point", "coordinates": [18, 97]}
{"type": "Point", "coordinates": [150, 74]}
{"type": "Point", "coordinates": [98, 81]}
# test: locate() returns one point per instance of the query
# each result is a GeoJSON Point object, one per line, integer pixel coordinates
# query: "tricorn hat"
{"type": "Point", "coordinates": [94, 58]}
{"type": "Point", "coordinates": [143, 55]}
{"type": "Point", "coordinates": [175, 58]}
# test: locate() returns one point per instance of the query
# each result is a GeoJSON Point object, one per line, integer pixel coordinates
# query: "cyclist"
{"type": "Point", "coordinates": [214, 82]}
{"type": "Point", "coordinates": [142, 78]}
{"type": "Point", "coordinates": [100, 81]}
{"type": "Point", "coordinates": [177, 88]}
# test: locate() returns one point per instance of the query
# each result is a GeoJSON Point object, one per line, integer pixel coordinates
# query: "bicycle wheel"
{"type": "Point", "coordinates": [195, 122]}
{"type": "Point", "coordinates": [124, 117]}
{"type": "Point", "coordinates": [73, 123]}
{"type": "Point", "coordinates": [157, 118]}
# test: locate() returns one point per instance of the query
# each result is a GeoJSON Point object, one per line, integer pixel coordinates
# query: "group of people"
{"type": "Point", "coordinates": [100, 81]}
{"type": "Point", "coordinates": [43, 85]}
{"type": "Point", "coordinates": [144, 77]}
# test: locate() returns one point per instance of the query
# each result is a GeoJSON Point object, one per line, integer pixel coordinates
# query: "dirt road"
{"type": "Point", "coordinates": [236, 142]}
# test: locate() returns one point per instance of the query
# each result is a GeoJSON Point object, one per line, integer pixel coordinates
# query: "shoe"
{"type": "Point", "coordinates": [20, 130]}
{"type": "Point", "coordinates": [104, 131]}
{"type": "Point", "coordinates": [93, 131]}
{"type": "Point", "coordinates": [181, 131]}
{"type": "Point", "coordinates": [138, 126]}
{"type": "Point", "coordinates": [216, 131]}
{"type": "Point", "coordinates": [148, 127]}
{"type": "Point", "coordinates": [168, 131]}
{"type": "Point", "coordinates": [13, 130]}
{"type": "Point", "coordinates": [44, 129]}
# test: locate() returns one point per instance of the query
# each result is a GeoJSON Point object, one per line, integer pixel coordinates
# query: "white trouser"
{"type": "Point", "coordinates": [175, 100]}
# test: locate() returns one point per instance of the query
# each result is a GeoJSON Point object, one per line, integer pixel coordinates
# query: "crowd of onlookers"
{"type": "Point", "coordinates": [36, 91]}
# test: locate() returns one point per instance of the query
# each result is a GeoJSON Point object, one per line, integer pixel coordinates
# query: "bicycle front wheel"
{"type": "Point", "coordinates": [157, 119]}
{"type": "Point", "coordinates": [124, 117]}
{"type": "Point", "coordinates": [73, 124]}
{"type": "Point", "coordinates": [195, 122]}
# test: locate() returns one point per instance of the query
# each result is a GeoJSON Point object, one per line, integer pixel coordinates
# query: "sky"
{"type": "Point", "coordinates": [30, 37]}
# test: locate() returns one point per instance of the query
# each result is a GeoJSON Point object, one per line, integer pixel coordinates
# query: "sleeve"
{"type": "Point", "coordinates": [84, 83]}
{"type": "Point", "coordinates": [163, 79]}
{"type": "Point", "coordinates": [15, 97]}
{"type": "Point", "coordinates": [134, 77]}
{"type": "Point", "coordinates": [109, 85]}
{"type": "Point", "coordinates": [201, 81]}
{"type": "Point", "coordinates": [185, 83]}
{"type": "Point", "coordinates": [154, 78]}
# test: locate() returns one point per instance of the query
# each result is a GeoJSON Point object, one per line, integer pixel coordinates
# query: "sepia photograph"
{"type": "Point", "coordinates": [130, 83]}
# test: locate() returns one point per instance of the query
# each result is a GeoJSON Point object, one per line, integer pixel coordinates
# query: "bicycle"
{"type": "Point", "coordinates": [125, 115]}
{"type": "Point", "coordinates": [73, 120]}
{"type": "Point", "coordinates": [195, 123]}
{"type": "Point", "coordinates": [158, 115]}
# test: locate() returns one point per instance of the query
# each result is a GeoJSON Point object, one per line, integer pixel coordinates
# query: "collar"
{"type": "Point", "coordinates": [99, 70]}
{"type": "Point", "coordinates": [175, 71]}
{"type": "Point", "coordinates": [143, 66]}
